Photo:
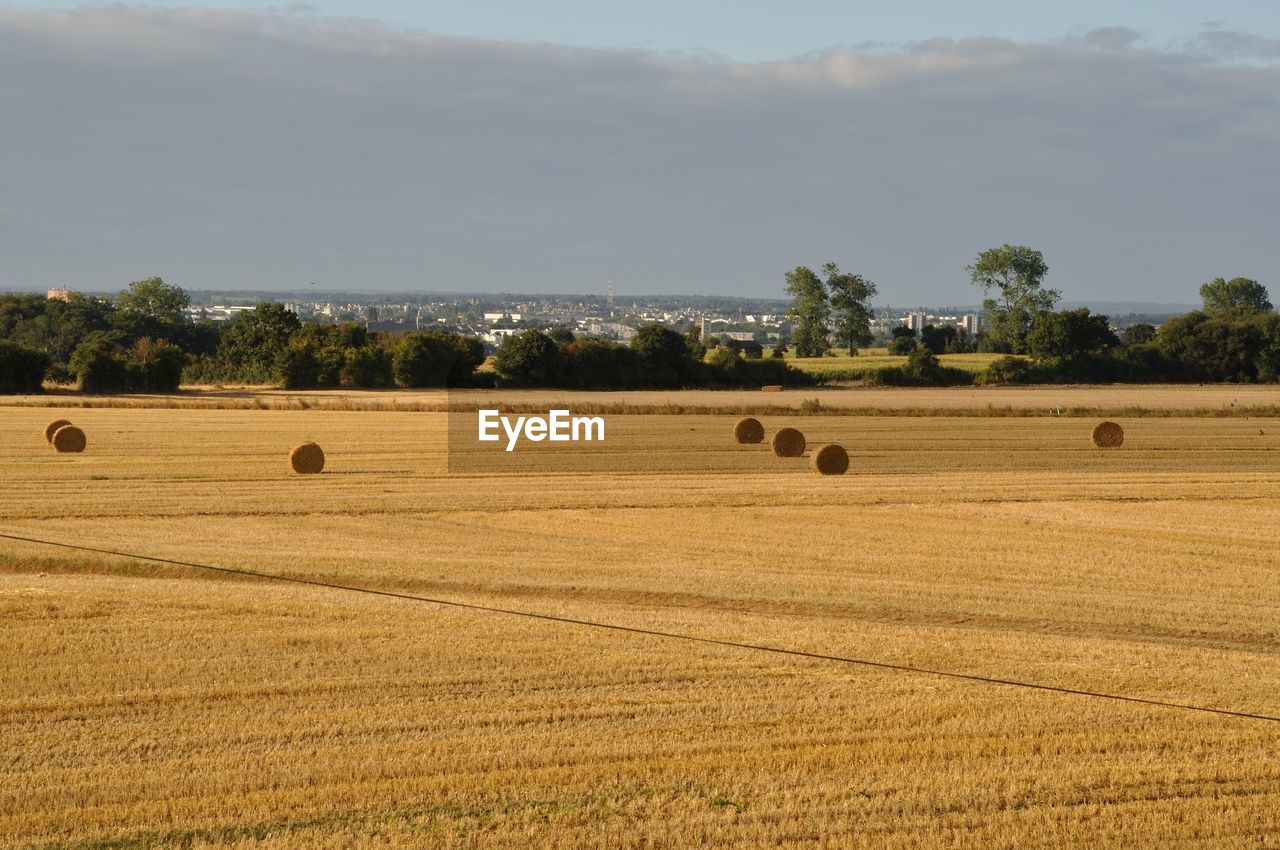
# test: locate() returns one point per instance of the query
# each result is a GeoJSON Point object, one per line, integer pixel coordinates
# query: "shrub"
{"type": "Point", "coordinates": [436, 359]}
{"type": "Point", "coordinates": [298, 365]}
{"type": "Point", "coordinates": [725, 358]}
{"type": "Point", "coordinates": [155, 366]}
{"type": "Point", "coordinates": [600, 364]}
{"type": "Point", "coordinates": [1006, 370]}
{"type": "Point", "coordinates": [21, 369]}
{"type": "Point", "coordinates": [922, 366]}
{"type": "Point", "coordinates": [530, 359]}
{"type": "Point", "coordinates": [902, 344]}
{"type": "Point", "coordinates": [366, 366]}
{"type": "Point", "coordinates": [99, 366]}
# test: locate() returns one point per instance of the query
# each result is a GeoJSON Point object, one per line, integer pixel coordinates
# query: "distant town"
{"type": "Point", "coordinates": [492, 318]}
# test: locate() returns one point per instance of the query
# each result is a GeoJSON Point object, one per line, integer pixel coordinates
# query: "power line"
{"type": "Point", "coordinates": [553, 618]}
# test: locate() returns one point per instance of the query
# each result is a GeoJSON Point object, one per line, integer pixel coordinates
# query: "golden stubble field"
{"type": "Point", "coordinates": [151, 706]}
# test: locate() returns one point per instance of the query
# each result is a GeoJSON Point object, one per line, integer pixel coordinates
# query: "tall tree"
{"type": "Point", "coordinates": [153, 308]}
{"type": "Point", "coordinates": [254, 341]}
{"type": "Point", "coordinates": [1070, 335]}
{"type": "Point", "coordinates": [809, 313]}
{"type": "Point", "coordinates": [850, 294]}
{"type": "Point", "coordinates": [1011, 278]}
{"type": "Point", "coordinates": [1239, 296]}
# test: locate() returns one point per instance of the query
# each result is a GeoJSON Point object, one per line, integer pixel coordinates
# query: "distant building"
{"type": "Point", "coordinates": [916, 320]}
{"type": "Point", "coordinates": [740, 336]}
{"type": "Point", "coordinates": [613, 330]}
{"type": "Point", "coordinates": [971, 324]}
{"type": "Point", "coordinates": [497, 337]}
{"type": "Point", "coordinates": [59, 295]}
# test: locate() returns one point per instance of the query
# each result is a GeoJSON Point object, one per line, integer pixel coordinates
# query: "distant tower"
{"type": "Point", "coordinates": [609, 297]}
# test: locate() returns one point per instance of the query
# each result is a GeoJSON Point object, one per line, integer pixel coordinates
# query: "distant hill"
{"type": "Point", "coordinates": [1121, 308]}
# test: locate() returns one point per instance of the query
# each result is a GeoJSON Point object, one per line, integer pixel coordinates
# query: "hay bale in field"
{"type": "Point", "coordinates": [52, 427]}
{"type": "Point", "coordinates": [307, 459]}
{"type": "Point", "coordinates": [788, 442]}
{"type": "Point", "coordinates": [771, 388]}
{"type": "Point", "coordinates": [748, 431]}
{"type": "Point", "coordinates": [830, 459]}
{"type": "Point", "coordinates": [1107, 435]}
{"type": "Point", "coordinates": [68, 438]}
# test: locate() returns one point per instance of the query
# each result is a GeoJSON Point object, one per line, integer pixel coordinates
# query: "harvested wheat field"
{"type": "Point", "coordinates": [147, 705]}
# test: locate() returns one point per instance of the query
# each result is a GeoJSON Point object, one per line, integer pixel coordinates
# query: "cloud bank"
{"type": "Point", "coordinates": [239, 150]}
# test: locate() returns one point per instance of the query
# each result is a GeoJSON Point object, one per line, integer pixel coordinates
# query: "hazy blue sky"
{"type": "Point", "coordinates": [552, 146]}
{"type": "Point", "coordinates": [750, 30]}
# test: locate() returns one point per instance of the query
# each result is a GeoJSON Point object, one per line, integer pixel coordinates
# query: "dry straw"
{"type": "Point", "coordinates": [771, 388]}
{"type": "Point", "coordinates": [307, 459]}
{"type": "Point", "coordinates": [788, 442]}
{"type": "Point", "coordinates": [1108, 435]}
{"type": "Point", "coordinates": [830, 460]}
{"type": "Point", "coordinates": [53, 427]}
{"type": "Point", "coordinates": [68, 438]}
{"type": "Point", "coordinates": [748, 431]}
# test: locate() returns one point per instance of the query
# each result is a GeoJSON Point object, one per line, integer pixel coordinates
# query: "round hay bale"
{"type": "Point", "coordinates": [307, 459]}
{"type": "Point", "coordinates": [748, 431]}
{"type": "Point", "coordinates": [788, 442]}
{"type": "Point", "coordinates": [1107, 435]}
{"type": "Point", "coordinates": [52, 427]}
{"type": "Point", "coordinates": [830, 460]}
{"type": "Point", "coordinates": [68, 438]}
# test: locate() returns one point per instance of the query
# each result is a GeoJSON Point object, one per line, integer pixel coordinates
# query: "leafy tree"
{"type": "Point", "coordinates": [298, 364]}
{"type": "Point", "coordinates": [779, 349]}
{"type": "Point", "coordinates": [939, 339]}
{"type": "Point", "coordinates": [1139, 333]}
{"type": "Point", "coordinates": [693, 341]}
{"type": "Point", "coordinates": [1069, 335]}
{"type": "Point", "coordinates": [592, 363]}
{"type": "Point", "coordinates": [21, 368]}
{"type": "Point", "coordinates": [53, 326]}
{"type": "Point", "coordinates": [368, 366]}
{"type": "Point", "coordinates": [99, 365]}
{"type": "Point", "coordinates": [922, 366]}
{"type": "Point", "coordinates": [1239, 296]}
{"type": "Point", "coordinates": [902, 340]}
{"type": "Point", "coordinates": [1014, 275]}
{"type": "Point", "coordinates": [155, 366]}
{"type": "Point", "coordinates": [561, 335]}
{"type": "Point", "coordinates": [850, 297]}
{"type": "Point", "coordinates": [1006, 370]}
{"type": "Point", "coordinates": [153, 308]}
{"type": "Point", "coordinates": [725, 358]}
{"type": "Point", "coordinates": [352, 335]}
{"type": "Point", "coordinates": [809, 312]}
{"type": "Point", "coordinates": [436, 359]}
{"type": "Point", "coordinates": [1211, 348]}
{"type": "Point", "coordinates": [663, 354]}
{"type": "Point", "coordinates": [251, 346]}
{"type": "Point", "coordinates": [530, 358]}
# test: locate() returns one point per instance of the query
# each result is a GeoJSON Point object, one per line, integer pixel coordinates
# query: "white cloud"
{"type": "Point", "coordinates": [221, 148]}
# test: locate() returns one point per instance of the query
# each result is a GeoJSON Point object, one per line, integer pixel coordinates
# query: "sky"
{"type": "Point", "coordinates": [692, 148]}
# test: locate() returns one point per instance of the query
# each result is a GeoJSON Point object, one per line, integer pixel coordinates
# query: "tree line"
{"type": "Point", "coordinates": [145, 341]}
{"type": "Point", "coordinates": [1235, 336]}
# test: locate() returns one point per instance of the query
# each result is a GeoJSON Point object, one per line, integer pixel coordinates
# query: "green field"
{"type": "Point", "coordinates": [838, 365]}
